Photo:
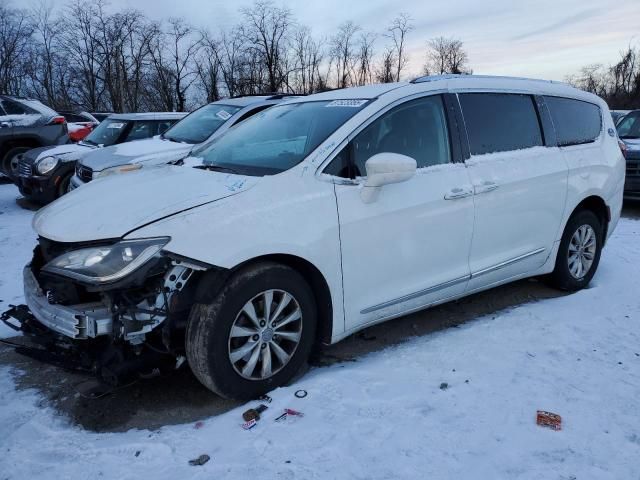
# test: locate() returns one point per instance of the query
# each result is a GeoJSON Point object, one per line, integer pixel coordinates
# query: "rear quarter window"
{"type": "Point", "coordinates": [575, 122]}
{"type": "Point", "coordinates": [500, 122]}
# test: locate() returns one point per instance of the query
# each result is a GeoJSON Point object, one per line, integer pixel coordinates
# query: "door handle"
{"type": "Point", "coordinates": [458, 192]}
{"type": "Point", "coordinates": [485, 187]}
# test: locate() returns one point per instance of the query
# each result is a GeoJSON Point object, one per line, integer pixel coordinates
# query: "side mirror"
{"type": "Point", "coordinates": [383, 169]}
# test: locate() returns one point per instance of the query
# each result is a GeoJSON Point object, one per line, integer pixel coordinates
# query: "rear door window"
{"type": "Point", "coordinates": [16, 108]}
{"type": "Point", "coordinates": [576, 122]}
{"type": "Point", "coordinates": [500, 122]}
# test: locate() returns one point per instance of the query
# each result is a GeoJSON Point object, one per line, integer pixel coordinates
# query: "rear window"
{"type": "Point", "coordinates": [575, 122]}
{"type": "Point", "coordinates": [499, 122]}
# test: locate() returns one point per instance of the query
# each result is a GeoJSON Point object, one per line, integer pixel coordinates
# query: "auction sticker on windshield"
{"type": "Point", "coordinates": [346, 103]}
{"type": "Point", "coordinates": [223, 115]}
{"type": "Point", "coordinates": [115, 125]}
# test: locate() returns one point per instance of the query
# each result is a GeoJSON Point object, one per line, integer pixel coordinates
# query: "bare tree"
{"type": "Point", "coordinates": [15, 37]}
{"type": "Point", "coordinates": [446, 55]}
{"type": "Point", "coordinates": [266, 30]}
{"type": "Point", "coordinates": [343, 53]}
{"type": "Point", "coordinates": [45, 66]}
{"type": "Point", "coordinates": [173, 55]}
{"type": "Point", "coordinates": [397, 32]}
{"type": "Point", "coordinates": [385, 69]}
{"type": "Point", "coordinates": [364, 62]}
{"type": "Point", "coordinates": [308, 56]}
{"type": "Point", "coordinates": [209, 67]}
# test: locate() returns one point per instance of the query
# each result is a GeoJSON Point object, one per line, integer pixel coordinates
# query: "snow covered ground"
{"type": "Point", "coordinates": [385, 415]}
{"type": "Point", "coordinates": [16, 247]}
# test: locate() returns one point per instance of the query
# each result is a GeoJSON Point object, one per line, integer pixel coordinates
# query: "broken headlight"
{"type": "Point", "coordinates": [106, 264]}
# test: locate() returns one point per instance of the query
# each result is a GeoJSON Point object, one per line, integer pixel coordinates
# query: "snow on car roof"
{"type": "Point", "coordinates": [456, 83]}
{"type": "Point", "coordinates": [364, 93]}
{"type": "Point", "coordinates": [148, 116]}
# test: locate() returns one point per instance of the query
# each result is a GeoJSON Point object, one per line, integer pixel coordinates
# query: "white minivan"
{"type": "Point", "coordinates": [322, 216]}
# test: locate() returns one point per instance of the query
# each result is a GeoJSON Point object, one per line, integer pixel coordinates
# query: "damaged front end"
{"type": "Point", "coordinates": [115, 308]}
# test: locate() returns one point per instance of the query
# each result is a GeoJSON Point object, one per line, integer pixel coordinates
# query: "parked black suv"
{"type": "Point", "coordinates": [26, 124]}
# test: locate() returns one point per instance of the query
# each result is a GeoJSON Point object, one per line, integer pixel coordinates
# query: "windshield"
{"type": "Point", "coordinates": [629, 126]}
{"type": "Point", "coordinates": [107, 133]}
{"type": "Point", "coordinates": [278, 138]}
{"type": "Point", "coordinates": [200, 125]}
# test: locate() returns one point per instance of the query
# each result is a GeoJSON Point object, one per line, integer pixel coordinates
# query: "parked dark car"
{"type": "Point", "coordinates": [44, 173]}
{"type": "Point", "coordinates": [629, 133]}
{"type": "Point", "coordinates": [26, 124]}
{"type": "Point", "coordinates": [618, 115]}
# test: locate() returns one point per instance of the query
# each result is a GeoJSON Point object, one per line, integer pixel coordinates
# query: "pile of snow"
{"type": "Point", "coordinates": [386, 415]}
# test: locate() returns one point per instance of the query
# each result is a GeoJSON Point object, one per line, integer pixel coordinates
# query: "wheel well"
{"type": "Point", "coordinates": [318, 285]}
{"type": "Point", "coordinates": [599, 207]}
{"type": "Point", "coordinates": [18, 142]}
{"type": "Point", "coordinates": [213, 280]}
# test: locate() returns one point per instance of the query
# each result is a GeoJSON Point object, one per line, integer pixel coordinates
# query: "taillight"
{"type": "Point", "coordinates": [623, 148]}
{"type": "Point", "coordinates": [57, 120]}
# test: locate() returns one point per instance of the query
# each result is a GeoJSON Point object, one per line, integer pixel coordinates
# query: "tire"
{"type": "Point", "coordinates": [215, 355]}
{"type": "Point", "coordinates": [571, 273]}
{"type": "Point", "coordinates": [10, 162]}
{"type": "Point", "coordinates": [63, 186]}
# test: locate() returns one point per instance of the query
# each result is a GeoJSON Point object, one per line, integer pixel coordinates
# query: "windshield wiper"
{"type": "Point", "coordinates": [217, 168]}
{"type": "Point", "coordinates": [630, 137]}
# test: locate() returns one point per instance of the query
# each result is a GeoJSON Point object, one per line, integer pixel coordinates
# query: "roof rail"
{"type": "Point", "coordinates": [448, 76]}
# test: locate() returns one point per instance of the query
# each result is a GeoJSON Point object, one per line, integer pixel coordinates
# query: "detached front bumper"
{"type": "Point", "coordinates": [78, 322]}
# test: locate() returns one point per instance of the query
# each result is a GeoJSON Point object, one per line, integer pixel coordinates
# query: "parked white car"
{"type": "Point", "coordinates": [200, 126]}
{"type": "Point", "coordinates": [322, 216]}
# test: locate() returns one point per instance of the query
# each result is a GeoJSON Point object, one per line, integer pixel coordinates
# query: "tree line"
{"type": "Point", "coordinates": [618, 84]}
{"type": "Point", "coordinates": [84, 56]}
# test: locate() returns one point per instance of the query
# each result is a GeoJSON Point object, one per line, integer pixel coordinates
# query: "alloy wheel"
{"type": "Point", "coordinates": [582, 251]}
{"type": "Point", "coordinates": [265, 334]}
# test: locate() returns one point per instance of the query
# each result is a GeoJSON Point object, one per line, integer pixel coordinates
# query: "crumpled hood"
{"type": "Point", "coordinates": [111, 207]}
{"type": "Point", "coordinates": [151, 151]}
{"type": "Point", "coordinates": [66, 152]}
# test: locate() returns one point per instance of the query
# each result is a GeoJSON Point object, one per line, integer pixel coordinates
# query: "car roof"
{"type": "Point", "coordinates": [247, 100]}
{"type": "Point", "coordinates": [458, 83]}
{"type": "Point", "coordinates": [148, 116]}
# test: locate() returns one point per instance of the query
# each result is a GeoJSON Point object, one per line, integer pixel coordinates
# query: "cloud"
{"type": "Point", "coordinates": [561, 24]}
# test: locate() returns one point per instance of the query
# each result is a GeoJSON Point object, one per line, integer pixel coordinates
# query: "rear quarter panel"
{"type": "Point", "coordinates": [596, 169]}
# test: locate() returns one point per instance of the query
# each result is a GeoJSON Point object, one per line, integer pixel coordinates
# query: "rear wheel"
{"type": "Point", "coordinates": [255, 335]}
{"type": "Point", "coordinates": [579, 252]}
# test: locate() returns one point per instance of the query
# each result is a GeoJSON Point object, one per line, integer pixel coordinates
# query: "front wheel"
{"type": "Point", "coordinates": [255, 335]}
{"type": "Point", "coordinates": [10, 162]}
{"type": "Point", "coordinates": [578, 253]}
{"type": "Point", "coordinates": [63, 186]}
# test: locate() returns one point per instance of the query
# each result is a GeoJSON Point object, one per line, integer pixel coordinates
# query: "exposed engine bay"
{"type": "Point", "coordinates": [133, 325]}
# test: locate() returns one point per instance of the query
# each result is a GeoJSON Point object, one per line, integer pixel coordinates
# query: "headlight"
{"type": "Point", "coordinates": [120, 169]}
{"type": "Point", "coordinates": [107, 264]}
{"type": "Point", "coordinates": [47, 164]}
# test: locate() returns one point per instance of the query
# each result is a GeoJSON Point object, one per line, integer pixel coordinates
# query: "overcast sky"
{"type": "Point", "coordinates": [534, 38]}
